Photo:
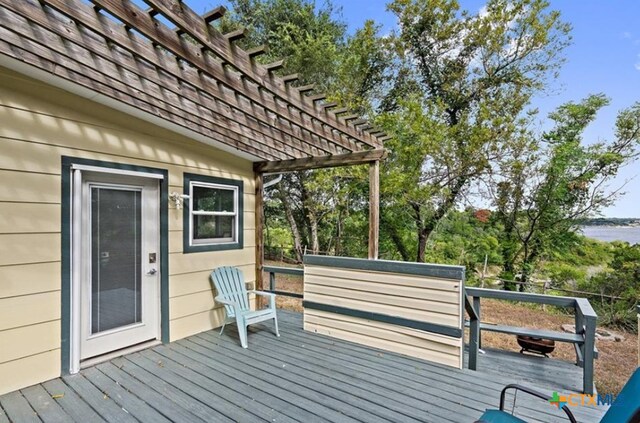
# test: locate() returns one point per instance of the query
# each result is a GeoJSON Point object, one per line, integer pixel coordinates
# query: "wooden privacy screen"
{"type": "Point", "coordinates": [414, 309]}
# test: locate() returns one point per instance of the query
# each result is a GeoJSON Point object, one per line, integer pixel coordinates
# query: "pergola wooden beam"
{"type": "Point", "coordinates": [374, 209]}
{"type": "Point", "coordinates": [162, 36]}
{"type": "Point", "coordinates": [287, 79]}
{"type": "Point", "coordinates": [214, 14]}
{"type": "Point", "coordinates": [272, 67]}
{"type": "Point", "coordinates": [316, 97]}
{"type": "Point", "coordinates": [193, 24]}
{"type": "Point", "coordinates": [209, 86]}
{"type": "Point", "coordinates": [259, 231]}
{"type": "Point", "coordinates": [307, 163]}
{"type": "Point", "coordinates": [236, 35]}
{"type": "Point", "coordinates": [257, 51]}
{"type": "Point", "coordinates": [305, 88]}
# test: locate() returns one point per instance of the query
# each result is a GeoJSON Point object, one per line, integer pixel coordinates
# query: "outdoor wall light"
{"type": "Point", "coordinates": [178, 199]}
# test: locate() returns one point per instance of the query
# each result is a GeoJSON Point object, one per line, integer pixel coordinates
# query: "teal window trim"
{"type": "Point", "coordinates": [188, 246]}
{"type": "Point", "coordinates": [66, 200]}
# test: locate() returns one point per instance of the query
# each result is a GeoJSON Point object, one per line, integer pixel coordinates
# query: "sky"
{"type": "Point", "coordinates": [603, 58]}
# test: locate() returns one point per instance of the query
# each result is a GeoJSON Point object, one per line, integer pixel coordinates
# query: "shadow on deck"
{"type": "Point", "coordinates": [300, 377]}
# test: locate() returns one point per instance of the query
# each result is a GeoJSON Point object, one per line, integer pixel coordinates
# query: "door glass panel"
{"type": "Point", "coordinates": [116, 242]}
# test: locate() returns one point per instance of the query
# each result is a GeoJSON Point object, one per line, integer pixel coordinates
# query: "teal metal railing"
{"type": "Point", "coordinates": [583, 339]}
{"type": "Point", "coordinates": [274, 270]}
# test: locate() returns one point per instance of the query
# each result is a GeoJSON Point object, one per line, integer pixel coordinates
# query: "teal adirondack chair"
{"type": "Point", "coordinates": [233, 293]}
{"type": "Point", "coordinates": [625, 409]}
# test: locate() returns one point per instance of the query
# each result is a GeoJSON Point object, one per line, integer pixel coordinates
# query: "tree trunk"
{"type": "Point", "coordinates": [313, 229]}
{"type": "Point", "coordinates": [389, 227]}
{"type": "Point", "coordinates": [338, 251]}
{"type": "Point", "coordinates": [297, 239]}
{"type": "Point", "coordinates": [423, 237]}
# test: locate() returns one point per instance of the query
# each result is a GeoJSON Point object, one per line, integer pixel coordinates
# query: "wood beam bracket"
{"type": "Point", "coordinates": [347, 159]}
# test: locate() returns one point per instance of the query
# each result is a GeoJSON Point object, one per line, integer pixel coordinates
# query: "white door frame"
{"type": "Point", "coordinates": [79, 256]}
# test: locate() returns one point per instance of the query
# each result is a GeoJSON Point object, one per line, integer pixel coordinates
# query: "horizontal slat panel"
{"type": "Point", "coordinates": [386, 278]}
{"type": "Point", "coordinates": [29, 248]}
{"type": "Point", "coordinates": [383, 299]}
{"type": "Point", "coordinates": [28, 371]}
{"type": "Point", "coordinates": [450, 297]}
{"type": "Point", "coordinates": [386, 330]}
{"type": "Point", "coordinates": [373, 307]}
{"type": "Point", "coordinates": [422, 353]}
{"type": "Point", "coordinates": [27, 279]}
{"type": "Point", "coordinates": [29, 309]}
{"type": "Point", "coordinates": [29, 218]}
{"type": "Point", "coordinates": [29, 340]}
{"type": "Point", "coordinates": [27, 187]}
{"type": "Point", "coordinates": [409, 313]}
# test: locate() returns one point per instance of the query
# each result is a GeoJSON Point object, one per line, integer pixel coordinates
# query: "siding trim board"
{"type": "Point", "coordinates": [67, 163]}
{"type": "Point", "coordinates": [385, 318]}
{"type": "Point", "coordinates": [420, 269]}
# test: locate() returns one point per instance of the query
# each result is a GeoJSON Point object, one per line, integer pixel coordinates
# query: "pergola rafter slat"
{"type": "Point", "coordinates": [144, 50]}
{"type": "Point", "coordinates": [165, 37]}
{"type": "Point", "coordinates": [79, 42]}
{"type": "Point", "coordinates": [191, 76]}
{"type": "Point", "coordinates": [183, 17]}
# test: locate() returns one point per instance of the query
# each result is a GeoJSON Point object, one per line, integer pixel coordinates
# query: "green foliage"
{"type": "Point", "coordinates": [462, 85]}
{"type": "Point", "coordinates": [622, 280]}
{"type": "Point", "coordinates": [547, 187]}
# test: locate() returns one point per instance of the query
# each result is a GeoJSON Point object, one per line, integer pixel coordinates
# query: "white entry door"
{"type": "Point", "coordinates": [119, 262]}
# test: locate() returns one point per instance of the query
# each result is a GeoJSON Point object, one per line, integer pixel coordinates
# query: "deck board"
{"type": "Point", "coordinates": [300, 376]}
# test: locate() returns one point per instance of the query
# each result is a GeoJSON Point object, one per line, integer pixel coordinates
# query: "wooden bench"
{"type": "Point", "coordinates": [571, 338]}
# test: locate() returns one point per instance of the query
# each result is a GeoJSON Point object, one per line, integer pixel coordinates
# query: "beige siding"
{"type": "Point", "coordinates": [423, 299]}
{"type": "Point", "coordinates": [29, 370]}
{"type": "Point", "coordinates": [38, 125]}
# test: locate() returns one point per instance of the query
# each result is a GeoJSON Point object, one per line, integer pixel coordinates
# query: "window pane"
{"type": "Point", "coordinates": [212, 199]}
{"type": "Point", "coordinates": [116, 258]}
{"type": "Point", "coordinates": [214, 227]}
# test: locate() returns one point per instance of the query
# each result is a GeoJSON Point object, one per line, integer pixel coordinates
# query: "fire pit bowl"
{"type": "Point", "coordinates": [536, 345]}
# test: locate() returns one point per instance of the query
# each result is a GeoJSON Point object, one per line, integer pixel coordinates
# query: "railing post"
{"type": "Point", "coordinates": [476, 306]}
{"type": "Point", "coordinates": [272, 281]}
{"type": "Point", "coordinates": [579, 325]}
{"type": "Point", "coordinates": [589, 346]}
{"type": "Point", "coordinates": [474, 331]}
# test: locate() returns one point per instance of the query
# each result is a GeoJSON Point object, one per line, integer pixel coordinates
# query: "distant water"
{"type": "Point", "coordinates": [630, 234]}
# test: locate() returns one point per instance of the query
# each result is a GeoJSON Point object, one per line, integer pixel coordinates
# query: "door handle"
{"type": "Point", "coordinates": [152, 272]}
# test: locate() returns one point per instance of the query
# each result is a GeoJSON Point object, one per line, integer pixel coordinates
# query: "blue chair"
{"type": "Point", "coordinates": [625, 409]}
{"type": "Point", "coordinates": [232, 292]}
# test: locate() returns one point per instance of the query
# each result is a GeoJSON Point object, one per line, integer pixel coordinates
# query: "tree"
{"type": "Point", "coordinates": [544, 192]}
{"type": "Point", "coordinates": [463, 82]}
{"type": "Point", "coordinates": [350, 68]}
{"type": "Point", "coordinates": [621, 280]}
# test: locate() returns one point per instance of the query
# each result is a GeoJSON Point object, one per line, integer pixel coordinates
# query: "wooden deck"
{"type": "Point", "coordinates": [299, 377]}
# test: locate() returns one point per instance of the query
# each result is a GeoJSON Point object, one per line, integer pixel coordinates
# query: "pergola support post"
{"type": "Point", "coordinates": [259, 225]}
{"type": "Point", "coordinates": [374, 209]}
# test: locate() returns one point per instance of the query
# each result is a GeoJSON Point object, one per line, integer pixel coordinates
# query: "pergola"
{"type": "Point", "coordinates": [193, 78]}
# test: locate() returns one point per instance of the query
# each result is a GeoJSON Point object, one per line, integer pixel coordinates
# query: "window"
{"type": "Point", "coordinates": [213, 218]}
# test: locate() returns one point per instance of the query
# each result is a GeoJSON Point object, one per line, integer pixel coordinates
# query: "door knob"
{"type": "Point", "coordinates": [152, 272]}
